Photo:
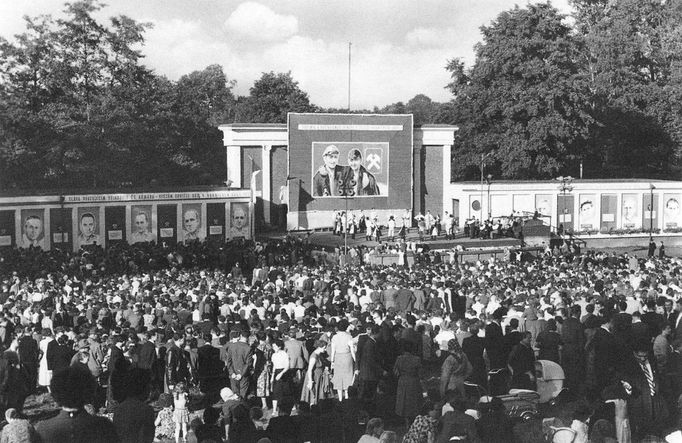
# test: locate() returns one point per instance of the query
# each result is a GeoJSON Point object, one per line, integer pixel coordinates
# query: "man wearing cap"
{"type": "Point", "coordinates": [328, 180]}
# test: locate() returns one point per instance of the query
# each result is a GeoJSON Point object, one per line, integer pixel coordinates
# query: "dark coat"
{"type": "Point", "coordinates": [209, 363]}
{"type": "Point", "coordinates": [77, 427]}
{"type": "Point", "coordinates": [494, 345]}
{"type": "Point", "coordinates": [146, 355]}
{"type": "Point", "coordinates": [370, 364]}
{"type": "Point", "coordinates": [177, 366]}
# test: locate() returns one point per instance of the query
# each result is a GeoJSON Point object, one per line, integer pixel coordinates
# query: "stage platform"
{"type": "Point", "coordinates": [327, 240]}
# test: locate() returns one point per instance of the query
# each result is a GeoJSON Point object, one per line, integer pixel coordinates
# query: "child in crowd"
{"type": "Point", "coordinates": [180, 414]}
{"type": "Point", "coordinates": [164, 420]}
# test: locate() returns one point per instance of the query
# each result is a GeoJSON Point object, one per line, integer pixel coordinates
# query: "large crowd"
{"type": "Point", "coordinates": [274, 344]}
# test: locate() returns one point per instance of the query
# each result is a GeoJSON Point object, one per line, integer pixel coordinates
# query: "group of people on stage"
{"type": "Point", "coordinates": [428, 226]}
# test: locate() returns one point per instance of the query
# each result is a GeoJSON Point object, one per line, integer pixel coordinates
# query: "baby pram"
{"type": "Point", "coordinates": [521, 403]}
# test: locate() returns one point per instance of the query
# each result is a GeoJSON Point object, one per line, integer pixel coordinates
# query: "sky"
{"type": "Point", "coordinates": [399, 47]}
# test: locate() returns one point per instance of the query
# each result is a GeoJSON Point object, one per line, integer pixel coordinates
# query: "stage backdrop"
{"type": "Point", "coordinates": [364, 161]}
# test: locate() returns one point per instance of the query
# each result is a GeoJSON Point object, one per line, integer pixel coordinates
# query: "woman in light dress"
{"type": "Point", "coordinates": [44, 375]}
{"type": "Point", "coordinates": [342, 358]}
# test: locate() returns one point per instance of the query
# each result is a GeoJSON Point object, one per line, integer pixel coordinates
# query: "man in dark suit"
{"type": "Point", "coordinates": [474, 347]}
{"type": "Point", "coordinates": [646, 405]}
{"type": "Point", "coordinates": [29, 354]}
{"type": "Point", "coordinates": [239, 363]}
{"type": "Point", "coordinates": [209, 366]}
{"type": "Point", "coordinates": [494, 347]}
{"type": "Point", "coordinates": [177, 364]}
{"type": "Point", "coordinates": [146, 351]}
{"type": "Point", "coordinates": [369, 365]}
{"type": "Point", "coordinates": [652, 319]}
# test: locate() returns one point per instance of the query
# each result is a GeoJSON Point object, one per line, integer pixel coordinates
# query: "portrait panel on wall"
{"type": "Point", "coordinates": [88, 227]}
{"type": "Point", "coordinates": [239, 221]}
{"type": "Point", "coordinates": [193, 227]}
{"type": "Point", "coordinates": [349, 169]}
{"type": "Point", "coordinates": [630, 211]}
{"type": "Point", "coordinates": [671, 211]}
{"type": "Point", "coordinates": [588, 212]}
{"type": "Point", "coordinates": [33, 228]}
{"type": "Point", "coordinates": [141, 224]}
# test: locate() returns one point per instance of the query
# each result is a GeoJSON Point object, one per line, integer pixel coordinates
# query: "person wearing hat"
{"type": "Point", "coordinates": [358, 180]}
{"type": "Point", "coordinates": [329, 179]}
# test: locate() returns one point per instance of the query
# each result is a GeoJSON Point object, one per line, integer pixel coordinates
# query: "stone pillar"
{"type": "Point", "coordinates": [234, 166]}
{"type": "Point", "coordinates": [266, 182]}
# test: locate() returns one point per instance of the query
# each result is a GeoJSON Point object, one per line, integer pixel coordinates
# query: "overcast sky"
{"type": "Point", "coordinates": [399, 47]}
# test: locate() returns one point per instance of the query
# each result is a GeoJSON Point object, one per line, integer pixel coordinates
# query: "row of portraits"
{"type": "Point", "coordinates": [589, 211]}
{"type": "Point", "coordinates": [172, 223]}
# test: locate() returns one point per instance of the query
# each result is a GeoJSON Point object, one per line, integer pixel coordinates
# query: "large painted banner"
{"type": "Point", "coordinates": [672, 216]}
{"type": "Point", "coordinates": [89, 227]}
{"type": "Point", "coordinates": [337, 157]}
{"type": "Point", "coordinates": [215, 214]}
{"type": "Point", "coordinates": [588, 212]}
{"type": "Point", "coordinates": [349, 169]}
{"type": "Point", "coordinates": [33, 228]}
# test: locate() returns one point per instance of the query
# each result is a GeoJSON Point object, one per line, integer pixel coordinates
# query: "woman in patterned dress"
{"type": "Point", "coordinates": [263, 367]}
{"type": "Point", "coordinates": [424, 426]}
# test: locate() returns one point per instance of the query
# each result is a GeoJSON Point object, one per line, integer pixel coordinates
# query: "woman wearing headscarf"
{"type": "Point", "coordinates": [456, 368]}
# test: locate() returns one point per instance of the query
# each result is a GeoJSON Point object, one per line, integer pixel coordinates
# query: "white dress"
{"type": "Point", "coordinates": [44, 375]}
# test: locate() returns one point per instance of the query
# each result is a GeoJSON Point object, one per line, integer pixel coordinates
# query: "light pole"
{"type": "Point", "coordinates": [651, 211]}
{"type": "Point", "coordinates": [484, 157]}
{"type": "Point", "coordinates": [489, 181]}
{"type": "Point", "coordinates": [565, 186]}
{"type": "Point", "coordinates": [345, 227]}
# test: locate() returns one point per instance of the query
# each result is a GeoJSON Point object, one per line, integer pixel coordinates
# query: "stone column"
{"type": "Point", "coordinates": [266, 182]}
{"type": "Point", "coordinates": [234, 166]}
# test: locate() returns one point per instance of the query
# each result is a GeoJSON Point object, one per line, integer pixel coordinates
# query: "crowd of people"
{"type": "Point", "coordinates": [275, 345]}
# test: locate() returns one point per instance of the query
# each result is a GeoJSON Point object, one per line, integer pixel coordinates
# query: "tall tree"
{"type": "Point", "coordinates": [632, 51]}
{"type": "Point", "coordinates": [523, 103]}
{"type": "Point", "coordinates": [271, 98]}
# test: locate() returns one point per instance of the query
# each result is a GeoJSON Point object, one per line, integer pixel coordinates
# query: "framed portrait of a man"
{"type": "Point", "coordinates": [671, 211]}
{"type": "Point", "coordinates": [240, 226]}
{"type": "Point", "coordinates": [193, 228]}
{"type": "Point", "coordinates": [88, 227]}
{"type": "Point", "coordinates": [141, 223]}
{"type": "Point", "coordinates": [32, 228]}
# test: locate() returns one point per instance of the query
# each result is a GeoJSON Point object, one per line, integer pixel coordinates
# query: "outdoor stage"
{"type": "Point", "coordinates": [326, 239]}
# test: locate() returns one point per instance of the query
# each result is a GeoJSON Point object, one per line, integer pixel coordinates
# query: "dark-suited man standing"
{"type": "Point", "coordinates": [369, 365]}
{"type": "Point", "coordinates": [177, 364]}
{"type": "Point", "coordinates": [646, 405]}
{"type": "Point", "coordinates": [494, 346]}
{"type": "Point", "coordinates": [209, 367]}
{"type": "Point", "coordinates": [239, 364]}
{"type": "Point", "coordinates": [146, 352]}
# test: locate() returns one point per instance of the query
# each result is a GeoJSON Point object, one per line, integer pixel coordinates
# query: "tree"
{"type": "Point", "coordinates": [57, 89]}
{"type": "Point", "coordinates": [632, 51]}
{"type": "Point", "coordinates": [271, 98]}
{"type": "Point", "coordinates": [524, 102]}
